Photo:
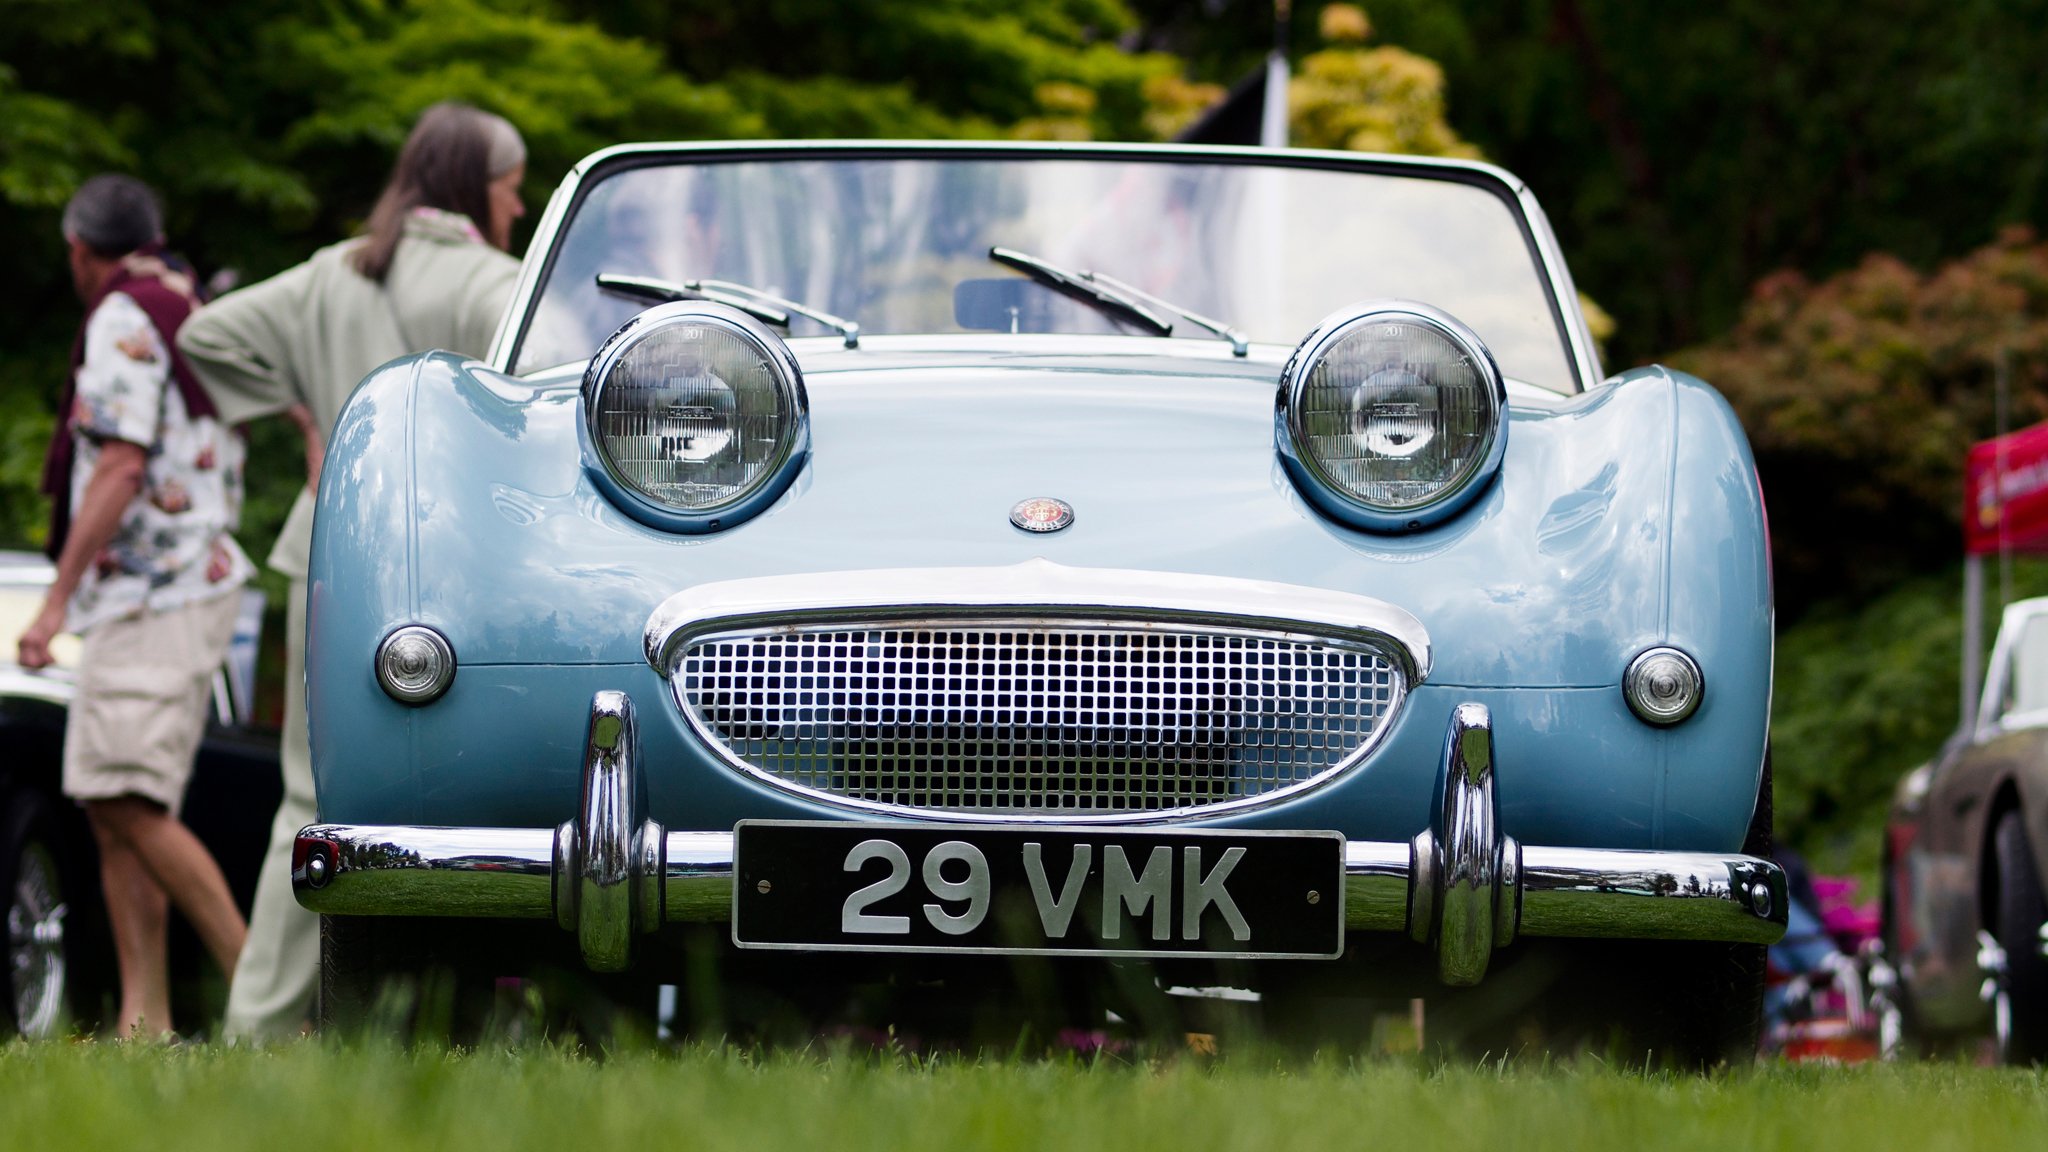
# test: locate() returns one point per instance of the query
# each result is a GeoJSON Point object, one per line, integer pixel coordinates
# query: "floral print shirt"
{"type": "Point", "coordinates": [173, 545]}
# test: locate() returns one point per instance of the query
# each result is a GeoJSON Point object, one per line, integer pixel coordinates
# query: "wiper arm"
{"type": "Point", "coordinates": [1085, 287]}
{"type": "Point", "coordinates": [1240, 344]}
{"type": "Point", "coordinates": [763, 306]}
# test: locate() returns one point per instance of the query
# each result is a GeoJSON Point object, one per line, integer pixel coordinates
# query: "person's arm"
{"type": "Point", "coordinates": [316, 444]}
{"type": "Point", "coordinates": [116, 479]}
{"type": "Point", "coordinates": [241, 346]}
{"type": "Point", "coordinates": [118, 403]}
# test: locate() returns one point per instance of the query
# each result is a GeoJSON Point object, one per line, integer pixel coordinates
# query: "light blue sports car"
{"type": "Point", "coordinates": [1053, 578]}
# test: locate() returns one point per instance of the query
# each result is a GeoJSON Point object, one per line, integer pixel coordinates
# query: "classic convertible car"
{"type": "Point", "coordinates": [969, 568]}
{"type": "Point", "coordinates": [1965, 915]}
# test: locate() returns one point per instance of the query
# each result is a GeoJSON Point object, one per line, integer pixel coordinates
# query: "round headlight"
{"type": "Point", "coordinates": [1390, 415]}
{"type": "Point", "coordinates": [696, 409]}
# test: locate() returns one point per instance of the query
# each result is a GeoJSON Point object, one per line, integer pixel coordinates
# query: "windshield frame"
{"type": "Point", "coordinates": [1581, 354]}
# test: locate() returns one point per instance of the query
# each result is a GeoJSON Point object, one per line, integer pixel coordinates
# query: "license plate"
{"type": "Point", "coordinates": [1062, 891]}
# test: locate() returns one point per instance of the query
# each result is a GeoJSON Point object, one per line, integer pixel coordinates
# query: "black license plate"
{"type": "Point", "coordinates": [1067, 890]}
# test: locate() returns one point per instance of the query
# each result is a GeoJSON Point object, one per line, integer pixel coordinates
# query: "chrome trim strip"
{"type": "Point", "coordinates": [1034, 587]}
{"type": "Point", "coordinates": [1584, 357]}
{"type": "Point", "coordinates": [1659, 895]}
{"type": "Point", "coordinates": [1376, 886]}
{"type": "Point", "coordinates": [404, 870]}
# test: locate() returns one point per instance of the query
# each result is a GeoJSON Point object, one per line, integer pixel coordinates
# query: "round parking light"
{"type": "Point", "coordinates": [1663, 686]}
{"type": "Point", "coordinates": [415, 665]}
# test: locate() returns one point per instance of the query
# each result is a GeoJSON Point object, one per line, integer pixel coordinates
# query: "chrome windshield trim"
{"type": "Point", "coordinates": [1583, 356]}
{"type": "Point", "coordinates": [1032, 588]}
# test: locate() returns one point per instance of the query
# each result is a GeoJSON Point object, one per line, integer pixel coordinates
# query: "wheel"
{"type": "Point", "coordinates": [398, 978]}
{"type": "Point", "coordinates": [38, 974]}
{"type": "Point", "coordinates": [1686, 1004]}
{"type": "Point", "coordinates": [2021, 911]}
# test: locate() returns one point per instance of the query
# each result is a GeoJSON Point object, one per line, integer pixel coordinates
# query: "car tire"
{"type": "Point", "coordinates": [39, 969]}
{"type": "Point", "coordinates": [370, 977]}
{"type": "Point", "coordinates": [1712, 1009]}
{"type": "Point", "coordinates": [1681, 1004]}
{"type": "Point", "coordinates": [2021, 910]}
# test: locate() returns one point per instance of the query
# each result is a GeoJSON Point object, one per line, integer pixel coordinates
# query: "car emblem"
{"type": "Point", "coordinates": [1042, 514]}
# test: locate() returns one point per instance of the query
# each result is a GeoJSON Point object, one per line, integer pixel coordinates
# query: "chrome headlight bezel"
{"type": "Point", "coordinates": [1313, 478]}
{"type": "Point", "coordinates": [785, 460]}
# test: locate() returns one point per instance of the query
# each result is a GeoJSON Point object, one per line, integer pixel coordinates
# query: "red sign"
{"type": "Point", "coordinates": [2005, 493]}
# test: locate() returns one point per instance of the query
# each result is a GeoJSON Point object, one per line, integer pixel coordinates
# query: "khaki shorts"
{"type": "Point", "coordinates": [144, 683]}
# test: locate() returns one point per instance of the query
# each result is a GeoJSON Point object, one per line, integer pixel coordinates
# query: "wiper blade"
{"type": "Point", "coordinates": [763, 306]}
{"type": "Point", "coordinates": [1113, 295]}
{"type": "Point", "coordinates": [1085, 287]}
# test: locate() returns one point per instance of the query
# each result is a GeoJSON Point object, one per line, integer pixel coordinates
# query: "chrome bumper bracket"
{"type": "Point", "coordinates": [1462, 886]}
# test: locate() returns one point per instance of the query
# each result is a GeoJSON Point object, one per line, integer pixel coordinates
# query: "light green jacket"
{"type": "Point", "coordinates": [310, 334]}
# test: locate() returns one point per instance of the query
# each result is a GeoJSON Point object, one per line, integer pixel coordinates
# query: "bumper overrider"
{"type": "Point", "coordinates": [1460, 886]}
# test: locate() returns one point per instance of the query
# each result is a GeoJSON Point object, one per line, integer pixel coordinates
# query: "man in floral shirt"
{"type": "Point", "coordinates": [146, 487]}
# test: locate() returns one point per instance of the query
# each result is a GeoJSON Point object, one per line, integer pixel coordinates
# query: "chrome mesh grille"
{"type": "Point", "coordinates": [1037, 717]}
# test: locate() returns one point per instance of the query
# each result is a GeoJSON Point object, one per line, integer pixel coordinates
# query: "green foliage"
{"type": "Point", "coordinates": [1863, 695]}
{"type": "Point", "coordinates": [48, 147]}
{"type": "Point", "coordinates": [1861, 395]}
{"type": "Point", "coordinates": [978, 63]}
{"type": "Point", "coordinates": [1382, 99]}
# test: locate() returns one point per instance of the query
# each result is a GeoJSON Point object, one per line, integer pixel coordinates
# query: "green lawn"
{"type": "Point", "coordinates": [322, 1096]}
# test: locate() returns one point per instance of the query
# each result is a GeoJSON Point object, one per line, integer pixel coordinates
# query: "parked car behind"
{"type": "Point", "coordinates": [59, 972]}
{"type": "Point", "coordinates": [1965, 918]}
{"type": "Point", "coordinates": [969, 567]}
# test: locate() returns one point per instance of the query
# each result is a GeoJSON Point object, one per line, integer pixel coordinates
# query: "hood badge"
{"type": "Point", "coordinates": [1042, 514]}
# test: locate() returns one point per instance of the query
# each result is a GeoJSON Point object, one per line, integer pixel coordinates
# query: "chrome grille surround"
{"type": "Point", "coordinates": [1038, 715]}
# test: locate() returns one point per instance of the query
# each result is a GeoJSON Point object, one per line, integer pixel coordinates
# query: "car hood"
{"type": "Point", "coordinates": [1554, 576]}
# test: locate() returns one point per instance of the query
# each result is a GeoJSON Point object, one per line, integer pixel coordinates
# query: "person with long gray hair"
{"type": "Point", "coordinates": [145, 488]}
{"type": "Point", "coordinates": [430, 271]}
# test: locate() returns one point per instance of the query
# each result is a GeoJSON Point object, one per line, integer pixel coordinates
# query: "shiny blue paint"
{"type": "Point", "coordinates": [1622, 518]}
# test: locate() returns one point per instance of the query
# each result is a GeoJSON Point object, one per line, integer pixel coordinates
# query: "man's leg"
{"type": "Point", "coordinates": [181, 866]}
{"type": "Point", "coordinates": [272, 993]}
{"type": "Point", "coordinates": [134, 727]}
{"type": "Point", "coordinates": [139, 913]}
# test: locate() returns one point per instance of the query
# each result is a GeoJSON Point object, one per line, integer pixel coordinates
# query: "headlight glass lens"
{"type": "Point", "coordinates": [1396, 412]}
{"type": "Point", "coordinates": [693, 415]}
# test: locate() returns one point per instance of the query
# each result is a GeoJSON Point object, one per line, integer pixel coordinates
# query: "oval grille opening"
{"type": "Point", "coordinates": [1044, 718]}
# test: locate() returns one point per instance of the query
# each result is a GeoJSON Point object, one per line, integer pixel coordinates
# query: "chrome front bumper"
{"type": "Point", "coordinates": [1460, 886]}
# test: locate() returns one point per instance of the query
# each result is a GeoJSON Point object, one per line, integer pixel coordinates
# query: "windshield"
{"type": "Point", "coordinates": [898, 245]}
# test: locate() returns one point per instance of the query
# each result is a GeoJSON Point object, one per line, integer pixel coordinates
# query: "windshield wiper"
{"type": "Point", "coordinates": [1113, 296]}
{"type": "Point", "coordinates": [763, 306]}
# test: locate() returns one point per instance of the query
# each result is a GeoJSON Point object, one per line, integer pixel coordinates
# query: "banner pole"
{"type": "Point", "coordinates": [1973, 642]}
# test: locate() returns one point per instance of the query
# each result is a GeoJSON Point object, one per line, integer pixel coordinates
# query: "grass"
{"type": "Point", "coordinates": [317, 1094]}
